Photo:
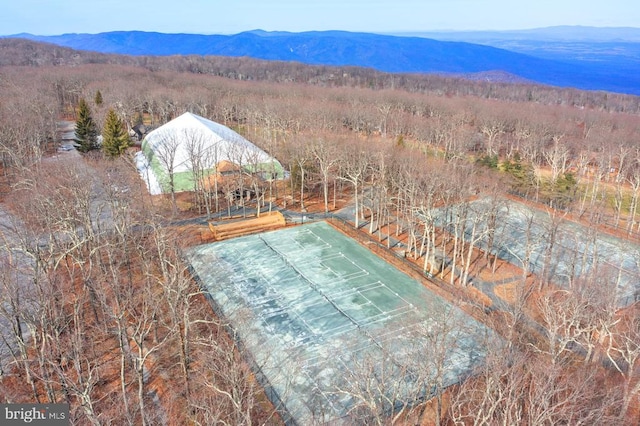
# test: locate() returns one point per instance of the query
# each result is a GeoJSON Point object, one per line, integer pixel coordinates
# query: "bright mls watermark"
{"type": "Point", "coordinates": [34, 414]}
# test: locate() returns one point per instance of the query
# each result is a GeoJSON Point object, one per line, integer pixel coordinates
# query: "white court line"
{"type": "Point", "coordinates": [352, 324]}
{"type": "Point", "coordinates": [342, 292]}
{"type": "Point", "coordinates": [317, 260]}
{"type": "Point", "coordinates": [333, 332]}
{"type": "Point", "coordinates": [288, 242]}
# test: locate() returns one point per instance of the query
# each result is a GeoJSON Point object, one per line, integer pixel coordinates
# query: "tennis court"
{"type": "Point", "coordinates": [318, 312]}
{"type": "Point", "coordinates": [523, 232]}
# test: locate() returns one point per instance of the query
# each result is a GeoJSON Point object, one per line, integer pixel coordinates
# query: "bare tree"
{"type": "Point", "coordinates": [326, 157]}
{"type": "Point", "coordinates": [623, 351]}
{"type": "Point", "coordinates": [634, 181]}
{"type": "Point", "coordinates": [557, 157]}
{"type": "Point", "coordinates": [148, 337]}
{"type": "Point", "coordinates": [516, 387]}
{"type": "Point", "coordinates": [165, 152]}
{"type": "Point", "coordinates": [354, 169]}
{"type": "Point", "coordinates": [492, 130]}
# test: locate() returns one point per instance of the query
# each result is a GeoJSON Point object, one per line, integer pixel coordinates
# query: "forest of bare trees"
{"type": "Point", "coordinates": [97, 305]}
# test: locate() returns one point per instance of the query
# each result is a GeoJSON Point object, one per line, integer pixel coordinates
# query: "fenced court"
{"type": "Point", "coordinates": [574, 250]}
{"type": "Point", "coordinates": [317, 311]}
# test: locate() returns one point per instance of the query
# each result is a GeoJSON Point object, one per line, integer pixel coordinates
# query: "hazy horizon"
{"type": "Point", "coordinates": [399, 33]}
{"type": "Point", "coordinates": [373, 16]}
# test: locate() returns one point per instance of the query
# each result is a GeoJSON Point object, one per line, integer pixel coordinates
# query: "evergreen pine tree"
{"type": "Point", "coordinates": [115, 139]}
{"type": "Point", "coordinates": [86, 129]}
{"type": "Point", "coordinates": [98, 98]}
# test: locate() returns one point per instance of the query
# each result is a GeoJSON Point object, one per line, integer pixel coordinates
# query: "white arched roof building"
{"type": "Point", "coordinates": [192, 147]}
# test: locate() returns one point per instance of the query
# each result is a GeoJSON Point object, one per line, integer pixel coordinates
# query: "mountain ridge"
{"type": "Point", "coordinates": [387, 53]}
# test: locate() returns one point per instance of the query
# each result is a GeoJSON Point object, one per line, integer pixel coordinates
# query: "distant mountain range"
{"type": "Point", "coordinates": [614, 46]}
{"type": "Point", "coordinates": [580, 57]}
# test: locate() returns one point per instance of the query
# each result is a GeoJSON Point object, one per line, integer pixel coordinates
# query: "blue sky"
{"type": "Point", "coordinates": [51, 17]}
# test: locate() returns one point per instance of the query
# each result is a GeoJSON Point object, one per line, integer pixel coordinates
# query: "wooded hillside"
{"type": "Point", "coordinates": [99, 308]}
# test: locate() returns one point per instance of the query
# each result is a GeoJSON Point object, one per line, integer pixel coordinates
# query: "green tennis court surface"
{"type": "Point", "coordinates": [320, 314]}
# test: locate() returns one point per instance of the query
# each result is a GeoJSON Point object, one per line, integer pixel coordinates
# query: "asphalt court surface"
{"type": "Point", "coordinates": [309, 302]}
